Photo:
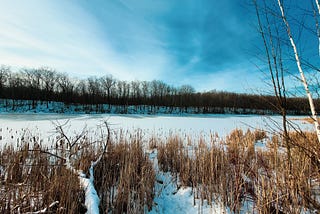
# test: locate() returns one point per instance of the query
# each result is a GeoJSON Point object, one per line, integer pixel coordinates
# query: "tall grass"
{"type": "Point", "coordinates": [231, 172]}
{"type": "Point", "coordinates": [34, 177]}
{"type": "Point", "coordinates": [32, 181]}
{"type": "Point", "coordinates": [125, 178]}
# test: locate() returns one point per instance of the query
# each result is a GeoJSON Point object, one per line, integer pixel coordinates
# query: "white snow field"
{"type": "Point", "coordinates": [13, 125]}
{"type": "Point", "coordinates": [168, 199]}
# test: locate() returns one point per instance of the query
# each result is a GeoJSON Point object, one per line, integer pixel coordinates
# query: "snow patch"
{"type": "Point", "coordinates": [91, 197]}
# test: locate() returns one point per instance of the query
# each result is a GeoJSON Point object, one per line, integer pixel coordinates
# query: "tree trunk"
{"type": "Point", "coordinates": [304, 81]}
{"type": "Point", "coordinates": [317, 23]}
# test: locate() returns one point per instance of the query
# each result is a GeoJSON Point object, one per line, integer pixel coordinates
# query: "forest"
{"type": "Point", "coordinates": [47, 85]}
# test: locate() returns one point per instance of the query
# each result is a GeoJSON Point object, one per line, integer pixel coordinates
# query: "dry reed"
{"type": "Point", "coordinates": [230, 172]}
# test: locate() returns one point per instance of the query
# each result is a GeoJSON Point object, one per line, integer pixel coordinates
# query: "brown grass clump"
{"type": "Point", "coordinates": [285, 190]}
{"type": "Point", "coordinates": [306, 119]}
{"type": "Point", "coordinates": [171, 154]}
{"type": "Point", "coordinates": [125, 179]}
{"type": "Point", "coordinates": [32, 181]}
{"type": "Point", "coordinates": [234, 172]}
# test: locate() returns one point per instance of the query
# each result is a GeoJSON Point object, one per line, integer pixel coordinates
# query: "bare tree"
{"type": "Point", "coordinates": [186, 89]}
{"type": "Point", "coordinates": [317, 22]}
{"type": "Point", "coordinates": [108, 82]}
{"type": "Point", "coordinates": [48, 78]}
{"type": "Point", "coordinates": [82, 90]}
{"type": "Point", "coordinates": [94, 89]}
{"type": "Point", "coordinates": [4, 74]}
{"type": "Point", "coordinates": [34, 84]}
{"type": "Point", "coordinates": [318, 5]}
{"type": "Point", "coordinates": [16, 83]}
{"type": "Point", "coordinates": [123, 90]}
{"type": "Point", "coordinates": [273, 51]}
{"type": "Point", "coordinates": [67, 150]}
{"type": "Point", "coordinates": [65, 87]}
{"type": "Point", "coordinates": [298, 62]}
{"type": "Point", "coordinates": [135, 89]}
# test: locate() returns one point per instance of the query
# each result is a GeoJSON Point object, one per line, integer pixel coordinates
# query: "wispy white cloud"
{"type": "Point", "coordinates": [64, 36]}
{"type": "Point", "coordinates": [197, 43]}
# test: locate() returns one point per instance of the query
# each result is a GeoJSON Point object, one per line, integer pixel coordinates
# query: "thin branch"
{"type": "Point", "coordinates": [105, 146]}
{"type": "Point", "coordinates": [304, 81]}
{"type": "Point", "coordinates": [59, 128]}
{"type": "Point", "coordinates": [47, 152]}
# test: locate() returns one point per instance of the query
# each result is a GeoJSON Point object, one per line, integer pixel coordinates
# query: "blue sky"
{"type": "Point", "coordinates": [208, 44]}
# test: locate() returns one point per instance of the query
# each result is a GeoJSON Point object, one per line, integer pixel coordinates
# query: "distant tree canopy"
{"type": "Point", "coordinates": [45, 84]}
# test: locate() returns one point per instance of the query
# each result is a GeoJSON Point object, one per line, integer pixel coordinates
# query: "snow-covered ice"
{"type": "Point", "coordinates": [13, 127]}
{"type": "Point", "coordinates": [42, 125]}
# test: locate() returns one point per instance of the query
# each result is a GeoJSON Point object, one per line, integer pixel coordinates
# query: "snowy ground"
{"type": "Point", "coordinates": [12, 125]}
{"type": "Point", "coordinates": [168, 199]}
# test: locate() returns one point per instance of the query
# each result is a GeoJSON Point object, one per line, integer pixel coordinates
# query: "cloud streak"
{"type": "Point", "coordinates": [203, 43]}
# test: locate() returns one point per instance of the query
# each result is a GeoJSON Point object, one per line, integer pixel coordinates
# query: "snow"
{"type": "Point", "coordinates": [15, 126]}
{"type": "Point", "coordinates": [91, 197]}
{"type": "Point", "coordinates": [174, 199]}
{"type": "Point", "coordinates": [169, 199]}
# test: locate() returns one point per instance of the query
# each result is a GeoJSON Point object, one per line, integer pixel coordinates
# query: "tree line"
{"type": "Point", "coordinates": [46, 85]}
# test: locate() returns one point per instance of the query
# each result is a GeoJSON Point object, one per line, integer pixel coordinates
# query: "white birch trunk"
{"type": "Point", "coordinates": [318, 30]}
{"type": "Point", "coordinates": [318, 5]}
{"type": "Point", "coordinates": [304, 81]}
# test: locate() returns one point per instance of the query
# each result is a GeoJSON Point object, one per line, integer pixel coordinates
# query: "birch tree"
{"type": "Point", "coordinates": [318, 5]}
{"type": "Point", "coordinates": [298, 62]}
{"type": "Point", "coordinates": [317, 23]}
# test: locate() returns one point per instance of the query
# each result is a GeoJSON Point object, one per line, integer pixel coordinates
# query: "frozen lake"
{"type": "Point", "coordinates": [12, 125]}
{"type": "Point", "coordinates": [15, 127]}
